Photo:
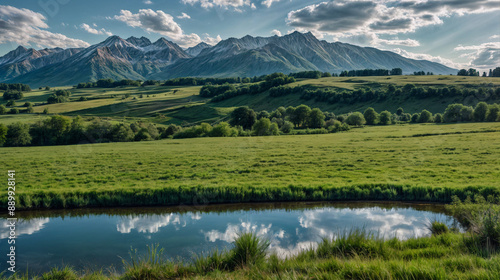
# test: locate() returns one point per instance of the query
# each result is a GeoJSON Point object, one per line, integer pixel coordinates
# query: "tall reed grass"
{"type": "Point", "coordinates": [200, 195]}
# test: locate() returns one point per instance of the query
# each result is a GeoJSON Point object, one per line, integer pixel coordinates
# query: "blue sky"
{"type": "Point", "coordinates": [458, 33]}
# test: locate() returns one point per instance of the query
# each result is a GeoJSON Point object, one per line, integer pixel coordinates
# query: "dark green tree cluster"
{"type": "Point", "coordinates": [222, 129]}
{"type": "Point", "coordinates": [471, 72]}
{"type": "Point", "coordinates": [59, 96]}
{"type": "Point", "coordinates": [310, 75]}
{"type": "Point", "coordinates": [12, 95]}
{"type": "Point", "coordinates": [227, 91]}
{"type": "Point", "coordinates": [204, 81]}
{"type": "Point", "coordinates": [286, 121]}
{"type": "Point", "coordinates": [150, 83]}
{"type": "Point", "coordinates": [365, 73]}
{"type": "Point", "coordinates": [422, 73]}
{"type": "Point", "coordinates": [61, 130]}
{"type": "Point", "coordinates": [481, 113]}
{"type": "Point", "coordinates": [333, 96]}
{"type": "Point", "coordinates": [495, 72]}
{"type": "Point", "coordinates": [16, 87]}
{"type": "Point", "coordinates": [109, 83]}
{"type": "Point", "coordinates": [396, 71]}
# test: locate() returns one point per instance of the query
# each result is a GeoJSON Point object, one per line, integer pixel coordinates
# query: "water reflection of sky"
{"type": "Point", "coordinates": [101, 239]}
{"type": "Point", "coordinates": [23, 227]}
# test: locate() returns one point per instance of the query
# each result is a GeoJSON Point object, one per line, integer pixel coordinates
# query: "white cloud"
{"type": "Point", "coordinates": [276, 32]}
{"type": "Point", "coordinates": [147, 2]}
{"type": "Point", "coordinates": [422, 56]}
{"type": "Point", "coordinates": [351, 18]}
{"type": "Point", "coordinates": [371, 39]}
{"type": "Point", "coordinates": [210, 40]}
{"type": "Point", "coordinates": [495, 37]}
{"type": "Point", "coordinates": [25, 27]}
{"type": "Point", "coordinates": [397, 42]}
{"type": "Point", "coordinates": [253, 6]}
{"type": "Point", "coordinates": [225, 4]}
{"type": "Point", "coordinates": [184, 15]}
{"type": "Point", "coordinates": [268, 3]}
{"type": "Point", "coordinates": [91, 30]}
{"type": "Point", "coordinates": [158, 22]}
{"type": "Point", "coordinates": [484, 56]}
{"type": "Point", "coordinates": [24, 227]}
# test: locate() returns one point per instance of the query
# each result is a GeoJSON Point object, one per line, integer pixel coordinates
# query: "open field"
{"type": "Point", "coordinates": [378, 162]}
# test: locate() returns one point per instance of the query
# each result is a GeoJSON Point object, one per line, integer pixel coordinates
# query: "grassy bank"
{"type": "Point", "coordinates": [402, 162]}
{"type": "Point", "coordinates": [352, 254]}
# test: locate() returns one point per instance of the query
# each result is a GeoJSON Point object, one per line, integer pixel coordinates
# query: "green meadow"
{"type": "Point", "coordinates": [430, 162]}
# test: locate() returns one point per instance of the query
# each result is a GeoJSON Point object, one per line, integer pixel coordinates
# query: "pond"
{"type": "Point", "coordinates": [100, 238]}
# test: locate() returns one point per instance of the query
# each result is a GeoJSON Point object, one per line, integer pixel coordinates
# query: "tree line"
{"type": "Point", "coordinates": [109, 83]}
{"type": "Point", "coordinates": [244, 121]}
{"type": "Point", "coordinates": [62, 130]}
{"type": "Point", "coordinates": [371, 72]}
{"type": "Point", "coordinates": [15, 87]}
{"type": "Point", "coordinates": [333, 96]}
{"type": "Point", "coordinates": [473, 72]}
{"type": "Point", "coordinates": [226, 91]}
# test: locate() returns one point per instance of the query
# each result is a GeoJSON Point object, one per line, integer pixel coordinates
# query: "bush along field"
{"type": "Point", "coordinates": [352, 254]}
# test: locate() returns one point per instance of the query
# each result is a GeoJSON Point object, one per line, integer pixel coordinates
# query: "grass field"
{"type": "Point", "coordinates": [441, 158]}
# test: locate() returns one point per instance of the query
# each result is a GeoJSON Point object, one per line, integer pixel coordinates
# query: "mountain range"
{"type": "Point", "coordinates": [141, 59]}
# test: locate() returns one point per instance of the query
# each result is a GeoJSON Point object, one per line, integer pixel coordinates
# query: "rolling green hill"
{"type": "Point", "coordinates": [182, 104]}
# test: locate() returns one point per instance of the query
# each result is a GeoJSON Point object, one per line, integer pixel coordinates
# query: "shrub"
{"type": "Point", "coordinates": [11, 95]}
{"type": "Point", "coordinates": [287, 127]}
{"type": "Point", "coordinates": [481, 219]}
{"type": "Point", "coordinates": [493, 113]}
{"type": "Point", "coordinates": [243, 116]}
{"type": "Point", "coordinates": [316, 118]}
{"type": "Point", "coordinates": [437, 228]}
{"type": "Point", "coordinates": [385, 118]}
{"type": "Point", "coordinates": [223, 129]}
{"type": "Point", "coordinates": [249, 250]}
{"type": "Point", "coordinates": [18, 135]}
{"type": "Point", "coordinates": [3, 134]}
{"type": "Point", "coordinates": [425, 117]}
{"type": "Point", "coordinates": [480, 112]}
{"type": "Point", "coordinates": [14, 111]}
{"type": "Point", "coordinates": [453, 113]}
{"type": "Point", "coordinates": [371, 116]}
{"type": "Point", "coordinates": [171, 130]}
{"type": "Point", "coordinates": [415, 117]}
{"type": "Point", "coordinates": [438, 118]}
{"type": "Point", "coordinates": [11, 103]}
{"type": "Point", "coordinates": [264, 127]}
{"type": "Point", "coordinates": [3, 110]}
{"type": "Point", "coordinates": [466, 114]}
{"type": "Point", "coordinates": [355, 119]}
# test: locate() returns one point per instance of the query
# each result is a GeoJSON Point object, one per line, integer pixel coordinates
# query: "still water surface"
{"type": "Point", "coordinates": [100, 238]}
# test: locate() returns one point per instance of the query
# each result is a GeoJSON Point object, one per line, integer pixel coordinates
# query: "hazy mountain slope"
{"type": "Point", "coordinates": [22, 60]}
{"type": "Point", "coordinates": [225, 58]}
{"type": "Point", "coordinates": [196, 50]}
{"type": "Point", "coordinates": [139, 58]}
{"type": "Point", "coordinates": [114, 58]}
